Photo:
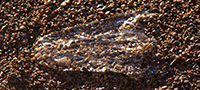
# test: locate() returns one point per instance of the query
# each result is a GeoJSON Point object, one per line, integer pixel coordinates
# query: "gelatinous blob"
{"type": "Point", "coordinates": [114, 44]}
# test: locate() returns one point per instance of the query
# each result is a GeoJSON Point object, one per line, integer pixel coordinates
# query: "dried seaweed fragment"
{"type": "Point", "coordinates": [114, 44]}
